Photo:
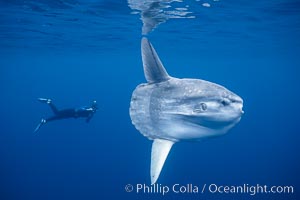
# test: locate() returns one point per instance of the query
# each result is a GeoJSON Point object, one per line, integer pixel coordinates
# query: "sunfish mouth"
{"type": "Point", "coordinates": [207, 121]}
{"type": "Point", "coordinates": [212, 122]}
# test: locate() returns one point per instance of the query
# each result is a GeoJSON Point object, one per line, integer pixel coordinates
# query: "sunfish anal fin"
{"type": "Point", "coordinates": [153, 68]}
{"type": "Point", "coordinates": [159, 153]}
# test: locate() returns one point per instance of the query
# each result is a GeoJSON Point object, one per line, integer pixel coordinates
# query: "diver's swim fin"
{"type": "Point", "coordinates": [43, 121]}
{"type": "Point", "coordinates": [44, 100]}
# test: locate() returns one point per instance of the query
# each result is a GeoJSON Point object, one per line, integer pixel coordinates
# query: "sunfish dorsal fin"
{"type": "Point", "coordinates": [159, 153]}
{"type": "Point", "coordinates": [153, 68]}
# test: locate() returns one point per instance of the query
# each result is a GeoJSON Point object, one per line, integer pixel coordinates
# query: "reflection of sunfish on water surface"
{"type": "Point", "coordinates": [168, 110]}
{"type": "Point", "coordinates": [155, 12]}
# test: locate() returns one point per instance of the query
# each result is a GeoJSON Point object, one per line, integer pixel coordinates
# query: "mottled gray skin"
{"type": "Point", "coordinates": [172, 109]}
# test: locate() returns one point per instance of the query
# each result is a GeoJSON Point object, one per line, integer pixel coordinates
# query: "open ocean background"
{"type": "Point", "coordinates": [76, 51]}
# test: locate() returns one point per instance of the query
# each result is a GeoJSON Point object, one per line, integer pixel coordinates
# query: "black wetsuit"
{"type": "Point", "coordinates": [84, 112]}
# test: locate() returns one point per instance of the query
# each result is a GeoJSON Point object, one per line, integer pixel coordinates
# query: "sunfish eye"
{"type": "Point", "coordinates": [225, 102]}
{"type": "Point", "coordinates": [200, 108]}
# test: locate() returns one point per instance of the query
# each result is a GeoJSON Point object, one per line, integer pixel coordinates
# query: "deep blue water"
{"type": "Point", "coordinates": [75, 51]}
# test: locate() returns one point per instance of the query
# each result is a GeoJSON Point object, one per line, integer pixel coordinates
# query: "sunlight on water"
{"type": "Point", "coordinates": [155, 12]}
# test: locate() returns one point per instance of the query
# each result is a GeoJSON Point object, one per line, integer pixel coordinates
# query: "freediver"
{"type": "Point", "coordinates": [83, 112]}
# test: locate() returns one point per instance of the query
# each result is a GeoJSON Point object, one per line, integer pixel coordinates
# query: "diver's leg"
{"type": "Point", "coordinates": [44, 121]}
{"type": "Point", "coordinates": [55, 117]}
{"type": "Point", "coordinates": [49, 102]}
{"type": "Point", "coordinates": [53, 108]}
{"type": "Point", "coordinates": [62, 114]}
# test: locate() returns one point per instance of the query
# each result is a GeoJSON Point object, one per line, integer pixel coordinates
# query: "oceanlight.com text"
{"type": "Point", "coordinates": [249, 189]}
{"type": "Point", "coordinates": [208, 188]}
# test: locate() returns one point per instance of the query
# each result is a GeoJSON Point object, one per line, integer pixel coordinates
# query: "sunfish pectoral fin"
{"type": "Point", "coordinates": [159, 153]}
{"type": "Point", "coordinates": [153, 68]}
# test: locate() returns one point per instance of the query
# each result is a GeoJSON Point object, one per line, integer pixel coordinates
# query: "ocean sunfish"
{"type": "Point", "coordinates": [169, 110]}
